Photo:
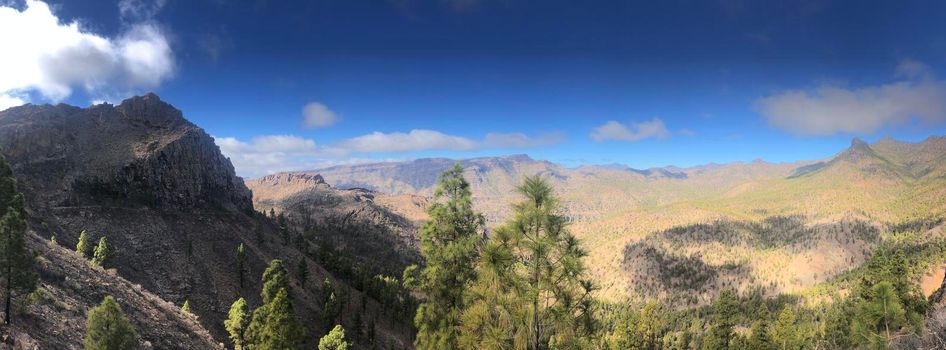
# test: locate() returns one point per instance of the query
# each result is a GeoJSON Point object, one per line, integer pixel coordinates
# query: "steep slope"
{"type": "Point", "coordinates": [362, 223]}
{"type": "Point", "coordinates": [54, 318]}
{"type": "Point", "coordinates": [158, 187]}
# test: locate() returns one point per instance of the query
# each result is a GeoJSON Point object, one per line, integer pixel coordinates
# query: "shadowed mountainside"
{"type": "Point", "coordinates": [169, 202]}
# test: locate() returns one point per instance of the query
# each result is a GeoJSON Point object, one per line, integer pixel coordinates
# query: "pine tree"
{"type": "Point", "coordinates": [240, 262]}
{"type": "Point", "coordinates": [16, 260]}
{"type": "Point", "coordinates": [102, 253]}
{"type": "Point", "coordinates": [186, 308]}
{"type": "Point", "coordinates": [449, 246]}
{"type": "Point", "coordinates": [758, 334]}
{"type": "Point", "coordinates": [274, 279]}
{"type": "Point", "coordinates": [237, 320]}
{"type": "Point", "coordinates": [783, 332]}
{"type": "Point", "coordinates": [878, 317]}
{"type": "Point", "coordinates": [724, 319]}
{"type": "Point", "coordinates": [334, 340]}
{"type": "Point", "coordinates": [84, 248]}
{"type": "Point", "coordinates": [330, 304]}
{"type": "Point", "coordinates": [108, 329]}
{"type": "Point", "coordinates": [274, 325]}
{"type": "Point", "coordinates": [531, 282]}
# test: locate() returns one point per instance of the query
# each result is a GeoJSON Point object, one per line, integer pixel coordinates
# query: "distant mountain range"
{"type": "Point", "coordinates": [612, 206]}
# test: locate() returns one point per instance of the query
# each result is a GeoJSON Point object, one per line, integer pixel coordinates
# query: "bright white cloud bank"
{"type": "Point", "coordinates": [613, 130]}
{"type": "Point", "coordinates": [45, 56]}
{"type": "Point", "coordinates": [263, 155]}
{"type": "Point", "coordinates": [830, 109]}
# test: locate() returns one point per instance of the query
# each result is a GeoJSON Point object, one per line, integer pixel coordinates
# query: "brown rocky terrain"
{"type": "Point", "coordinates": [369, 225]}
{"type": "Point", "coordinates": [158, 187]}
{"type": "Point", "coordinates": [54, 316]}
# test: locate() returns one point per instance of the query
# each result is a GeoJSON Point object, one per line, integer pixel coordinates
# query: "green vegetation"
{"type": "Point", "coordinates": [16, 260]}
{"type": "Point", "coordinates": [84, 248]}
{"type": "Point", "coordinates": [334, 340]}
{"type": "Point", "coordinates": [274, 325]}
{"type": "Point", "coordinates": [449, 242]}
{"type": "Point", "coordinates": [102, 253]}
{"type": "Point", "coordinates": [186, 308]}
{"type": "Point", "coordinates": [107, 328]}
{"type": "Point", "coordinates": [237, 320]}
{"type": "Point", "coordinates": [530, 290]}
{"type": "Point", "coordinates": [331, 307]}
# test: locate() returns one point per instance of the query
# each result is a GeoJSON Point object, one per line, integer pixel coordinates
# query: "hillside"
{"type": "Point", "coordinates": [365, 224]}
{"type": "Point", "coordinates": [170, 204]}
{"type": "Point", "coordinates": [614, 206]}
{"type": "Point", "coordinates": [55, 317]}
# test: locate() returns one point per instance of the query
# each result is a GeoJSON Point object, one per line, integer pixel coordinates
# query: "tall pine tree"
{"type": "Point", "coordinates": [16, 260]}
{"type": "Point", "coordinates": [274, 324]}
{"type": "Point", "coordinates": [449, 242]}
{"type": "Point", "coordinates": [724, 320]}
{"type": "Point", "coordinates": [237, 320]}
{"type": "Point", "coordinates": [531, 280]}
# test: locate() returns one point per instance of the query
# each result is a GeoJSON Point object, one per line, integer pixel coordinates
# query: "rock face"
{"type": "Point", "coordinates": [143, 150]}
{"type": "Point", "coordinates": [156, 185]}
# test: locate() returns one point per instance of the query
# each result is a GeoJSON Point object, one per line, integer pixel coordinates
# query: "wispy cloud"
{"type": "Point", "coordinates": [415, 140]}
{"type": "Point", "coordinates": [317, 115]}
{"type": "Point", "coordinates": [273, 153]}
{"type": "Point", "coordinates": [833, 109]}
{"type": "Point", "coordinates": [613, 130]}
{"type": "Point", "coordinates": [42, 54]}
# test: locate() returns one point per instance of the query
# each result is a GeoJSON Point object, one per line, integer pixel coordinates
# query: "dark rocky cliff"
{"type": "Point", "coordinates": [155, 184]}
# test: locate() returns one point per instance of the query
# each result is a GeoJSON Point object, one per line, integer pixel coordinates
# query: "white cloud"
{"type": "Point", "coordinates": [415, 140]}
{"type": "Point", "coordinates": [829, 109]}
{"type": "Point", "coordinates": [7, 101]}
{"type": "Point", "coordinates": [613, 130]}
{"type": "Point", "coordinates": [274, 153]}
{"type": "Point", "coordinates": [317, 115]}
{"type": "Point", "coordinates": [268, 154]}
{"type": "Point", "coordinates": [43, 55]}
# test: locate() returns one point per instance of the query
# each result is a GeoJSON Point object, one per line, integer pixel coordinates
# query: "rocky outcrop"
{"type": "Point", "coordinates": [155, 184]}
{"type": "Point", "coordinates": [142, 150]}
{"type": "Point", "coordinates": [170, 204]}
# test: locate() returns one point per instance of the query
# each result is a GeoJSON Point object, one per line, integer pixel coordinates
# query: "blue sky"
{"type": "Point", "coordinates": [643, 84]}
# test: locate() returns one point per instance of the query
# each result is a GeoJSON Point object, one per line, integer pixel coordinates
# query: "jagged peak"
{"type": "Point", "coordinates": [858, 150]}
{"type": "Point", "coordinates": [151, 108]}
